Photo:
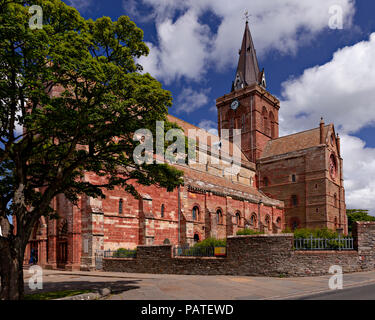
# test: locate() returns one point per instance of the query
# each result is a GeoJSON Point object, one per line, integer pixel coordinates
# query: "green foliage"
{"type": "Point", "coordinates": [124, 253]}
{"type": "Point", "coordinates": [323, 234]}
{"type": "Point", "coordinates": [55, 295]}
{"type": "Point", "coordinates": [103, 99]}
{"type": "Point", "coordinates": [357, 215]}
{"type": "Point", "coordinates": [76, 89]}
{"type": "Point", "coordinates": [247, 232]}
{"type": "Point", "coordinates": [287, 230]}
{"type": "Point", "coordinates": [211, 243]}
{"type": "Point", "coordinates": [315, 233]}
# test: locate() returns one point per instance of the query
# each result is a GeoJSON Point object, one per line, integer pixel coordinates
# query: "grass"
{"type": "Point", "coordinates": [55, 295]}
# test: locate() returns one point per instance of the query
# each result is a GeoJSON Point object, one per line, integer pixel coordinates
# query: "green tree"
{"type": "Point", "coordinates": [357, 215]}
{"type": "Point", "coordinates": [71, 97]}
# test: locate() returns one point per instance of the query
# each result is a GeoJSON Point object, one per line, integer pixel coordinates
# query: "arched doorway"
{"type": "Point", "coordinates": [196, 238]}
{"type": "Point", "coordinates": [62, 245]}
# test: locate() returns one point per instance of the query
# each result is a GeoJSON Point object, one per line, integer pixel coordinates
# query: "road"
{"type": "Point", "coordinates": [357, 293]}
{"type": "Point", "coordinates": [131, 286]}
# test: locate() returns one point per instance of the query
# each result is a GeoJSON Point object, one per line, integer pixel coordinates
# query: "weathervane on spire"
{"type": "Point", "coordinates": [247, 16]}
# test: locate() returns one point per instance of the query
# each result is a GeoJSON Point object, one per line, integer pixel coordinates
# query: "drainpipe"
{"type": "Point", "coordinates": [259, 220]}
{"type": "Point", "coordinates": [179, 217]}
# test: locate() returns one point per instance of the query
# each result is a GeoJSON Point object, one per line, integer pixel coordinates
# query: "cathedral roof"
{"type": "Point", "coordinates": [204, 181]}
{"type": "Point", "coordinates": [211, 139]}
{"type": "Point", "coordinates": [248, 68]}
{"type": "Point", "coordinates": [294, 142]}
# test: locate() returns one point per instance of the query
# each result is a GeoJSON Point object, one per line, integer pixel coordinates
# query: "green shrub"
{"type": "Point", "coordinates": [324, 234]}
{"type": "Point", "coordinates": [124, 253]}
{"type": "Point", "coordinates": [287, 230]}
{"type": "Point", "coordinates": [248, 232]}
{"type": "Point", "coordinates": [315, 233]}
{"type": "Point", "coordinates": [211, 243]}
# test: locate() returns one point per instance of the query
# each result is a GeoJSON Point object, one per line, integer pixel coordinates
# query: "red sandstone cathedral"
{"type": "Point", "coordinates": [291, 182]}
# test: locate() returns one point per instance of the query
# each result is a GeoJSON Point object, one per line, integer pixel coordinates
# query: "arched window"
{"type": "Point", "coordinates": [265, 120]}
{"type": "Point", "coordinates": [272, 121]}
{"type": "Point", "coordinates": [166, 241]}
{"type": "Point", "coordinates": [162, 209]}
{"type": "Point", "coordinates": [268, 222]}
{"type": "Point", "coordinates": [278, 222]}
{"type": "Point", "coordinates": [332, 166]}
{"type": "Point", "coordinates": [335, 200]}
{"type": "Point", "coordinates": [195, 213]}
{"type": "Point", "coordinates": [120, 206]}
{"type": "Point", "coordinates": [219, 216]}
{"type": "Point", "coordinates": [238, 218]}
{"type": "Point", "coordinates": [253, 220]}
{"type": "Point", "coordinates": [265, 182]}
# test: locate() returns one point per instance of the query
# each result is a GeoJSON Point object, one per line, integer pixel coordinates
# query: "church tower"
{"type": "Point", "coordinates": [249, 107]}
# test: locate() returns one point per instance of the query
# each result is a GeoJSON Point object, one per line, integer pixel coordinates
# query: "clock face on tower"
{"type": "Point", "coordinates": [235, 104]}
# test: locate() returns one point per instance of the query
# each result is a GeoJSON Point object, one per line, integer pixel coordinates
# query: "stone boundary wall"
{"type": "Point", "coordinates": [259, 255]}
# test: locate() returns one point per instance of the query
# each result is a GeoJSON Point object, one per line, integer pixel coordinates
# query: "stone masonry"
{"type": "Point", "coordinates": [260, 255]}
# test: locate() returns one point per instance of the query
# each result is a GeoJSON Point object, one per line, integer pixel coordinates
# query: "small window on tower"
{"type": "Point", "coordinates": [265, 182]}
{"type": "Point", "coordinates": [120, 206]}
{"type": "Point", "coordinates": [294, 200]}
{"type": "Point", "coordinates": [293, 178]}
{"type": "Point", "coordinates": [162, 209]}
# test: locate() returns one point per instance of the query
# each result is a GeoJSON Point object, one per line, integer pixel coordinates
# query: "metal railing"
{"type": "Point", "coordinates": [120, 253]}
{"type": "Point", "coordinates": [340, 243]}
{"type": "Point", "coordinates": [185, 251]}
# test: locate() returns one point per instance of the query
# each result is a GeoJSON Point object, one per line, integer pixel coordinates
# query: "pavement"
{"type": "Point", "coordinates": [132, 286]}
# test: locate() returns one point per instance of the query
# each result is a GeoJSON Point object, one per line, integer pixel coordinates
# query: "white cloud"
{"type": "Point", "coordinates": [209, 126]}
{"type": "Point", "coordinates": [182, 49]}
{"type": "Point", "coordinates": [343, 92]}
{"type": "Point", "coordinates": [359, 173]}
{"type": "Point", "coordinates": [80, 4]}
{"type": "Point", "coordinates": [190, 100]}
{"type": "Point", "coordinates": [187, 47]}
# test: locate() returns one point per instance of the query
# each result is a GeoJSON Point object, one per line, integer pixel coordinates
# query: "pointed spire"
{"type": "Point", "coordinates": [248, 68]}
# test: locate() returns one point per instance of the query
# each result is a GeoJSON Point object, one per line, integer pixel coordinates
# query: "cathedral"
{"type": "Point", "coordinates": [283, 183]}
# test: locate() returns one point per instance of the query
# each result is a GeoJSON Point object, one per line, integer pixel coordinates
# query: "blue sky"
{"type": "Point", "coordinates": [313, 69]}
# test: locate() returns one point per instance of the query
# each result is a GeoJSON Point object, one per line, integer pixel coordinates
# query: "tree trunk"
{"type": "Point", "coordinates": [11, 271]}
